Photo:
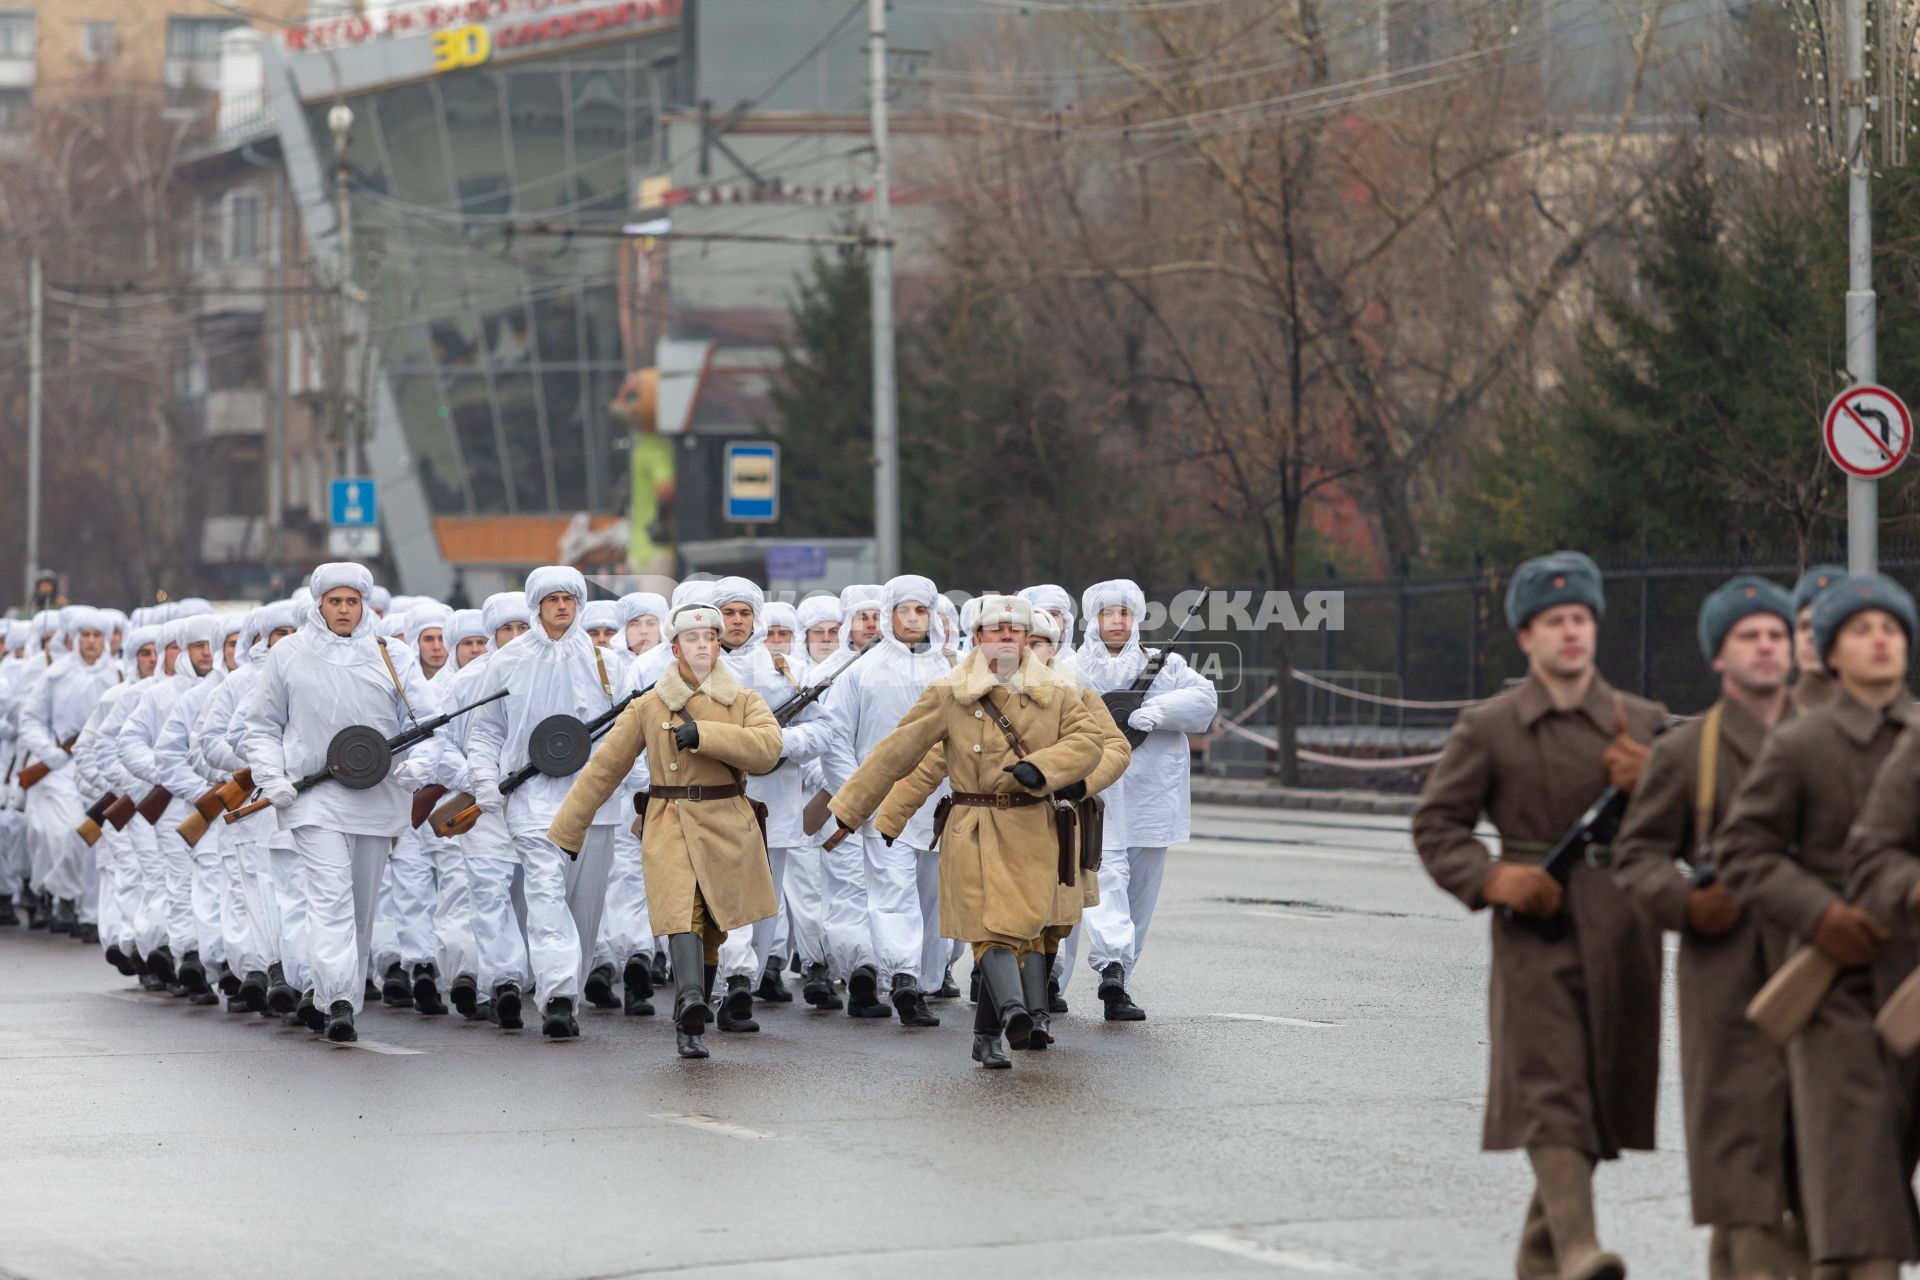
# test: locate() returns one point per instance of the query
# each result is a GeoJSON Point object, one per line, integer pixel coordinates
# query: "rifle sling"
{"type": "Point", "coordinates": [739, 777]}
{"type": "Point", "coordinates": [1709, 768]}
{"type": "Point", "coordinates": [388, 659]}
{"type": "Point", "coordinates": [999, 718]}
{"type": "Point", "coordinates": [1065, 821]}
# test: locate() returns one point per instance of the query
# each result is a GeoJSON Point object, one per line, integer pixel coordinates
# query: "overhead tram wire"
{"type": "Point", "coordinates": [1233, 58]}
{"type": "Point", "coordinates": [753, 100]}
{"type": "Point", "coordinates": [1493, 57]}
{"type": "Point", "coordinates": [1456, 17]}
{"type": "Point", "coordinates": [1519, 46]}
{"type": "Point", "coordinates": [1330, 97]}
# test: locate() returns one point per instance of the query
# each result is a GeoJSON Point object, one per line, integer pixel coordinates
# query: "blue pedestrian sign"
{"type": "Point", "coordinates": [752, 482]}
{"type": "Point", "coordinates": [353, 504]}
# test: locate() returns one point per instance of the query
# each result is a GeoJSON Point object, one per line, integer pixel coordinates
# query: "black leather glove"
{"type": "Point", "coordinates": [1026, 775]}
{"type": "Point", "coordinates": [886, 839]}
{"type": "Point", "coordinates": [573, 855]}
{"type": "Point", "coordinates": [686, 736]}
{"type": "Point", "coordinates": [1072, 791]}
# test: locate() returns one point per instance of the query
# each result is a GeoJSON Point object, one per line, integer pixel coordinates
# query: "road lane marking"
{"type": "Point", "coordinates": [695, 1120]}
{"type": "Point", "coordinates": [1254, 1250]}
{"type": "Point", "coordinates": [1274, 1017]}
{"type": "Point", "coordinates": [376, 1046]}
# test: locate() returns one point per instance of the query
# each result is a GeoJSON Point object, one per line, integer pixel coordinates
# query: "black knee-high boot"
{"type": "Point", "coordinates": [1033, 989]}
{"type": "Point", "coordinates": [690, 996]}
{"type": "Point", "coordinates": [1005, 994]}
{"type": "Point", "coordinates": [987, 1050]}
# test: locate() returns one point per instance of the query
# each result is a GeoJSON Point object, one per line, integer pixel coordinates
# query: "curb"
{"type": "Point", "coordinates": [1264, 795]}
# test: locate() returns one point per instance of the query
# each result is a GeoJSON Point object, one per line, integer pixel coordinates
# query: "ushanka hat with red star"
{"type": "Point", "coordinates": [1737, 598]}
{"type": "Point", "coordinates": [1561, 577]}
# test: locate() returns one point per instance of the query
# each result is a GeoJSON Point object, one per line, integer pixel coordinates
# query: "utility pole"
{"type": "Point", "coordinates": [886, 439]}
{"type": "Point", "coordinates": [1863, 495]}
{"type": "Point", "coordinates": [36, 362]}
{"type": "Point", "coordinates": [340, 124]}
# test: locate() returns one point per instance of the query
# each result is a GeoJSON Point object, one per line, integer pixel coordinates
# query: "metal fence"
{"type": "Point", "coordinates": [1413, 644]}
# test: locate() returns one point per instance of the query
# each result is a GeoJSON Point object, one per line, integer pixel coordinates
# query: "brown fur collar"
{"type": "Point", "coordinates": [973, 678]}
{"type": "Point", "coordinates": [720, 685]}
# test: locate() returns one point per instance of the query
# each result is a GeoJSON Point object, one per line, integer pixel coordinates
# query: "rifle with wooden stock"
{"type": "Point", "coordinates": [558, 747]}
{"type": "Point", "coordinates": [359, 757]}
{"type": "Point", "coordinates": [225, 798]}
{"type": "Point", "coordinates": [1783, 1007]}
{"type": "Point", "coordinates": [31, 776]}
{"type": "Point", "coordinates": [89, 829]}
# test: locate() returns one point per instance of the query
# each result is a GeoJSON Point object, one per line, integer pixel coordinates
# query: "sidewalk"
{"type": "Point", "coordinates": [1256, 793]}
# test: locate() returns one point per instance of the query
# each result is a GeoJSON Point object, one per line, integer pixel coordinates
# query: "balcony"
{"type": "Point", "coordinates": [241, 116]}
{"type": "Point", "coordinates": [248, 280]}
{"type": "Point", "coordinates": [238, 412]}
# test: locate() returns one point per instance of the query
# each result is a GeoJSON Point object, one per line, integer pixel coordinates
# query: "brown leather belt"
{"type": "Point", "coordinates": [997, 799]}
{"type": "Point", "coordinates": [724, 791]}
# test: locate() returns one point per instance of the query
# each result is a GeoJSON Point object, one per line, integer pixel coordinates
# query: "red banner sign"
{"type": "Point", "coordinates": [546, 20]}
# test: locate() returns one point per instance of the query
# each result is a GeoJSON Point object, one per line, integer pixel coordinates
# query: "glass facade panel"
{"type": "Point", "coordinates": [610, 442]}
{"type": "Point", "coordinates": [428, 425]}
{"type": "Point", "coordinates": [520, 419]}
{"type": "Point", "coordinates": [456, 336]}
{"type": "Point", "coordinates": [599, 99]}
{"type": "Point", "coordinates": [561, 390]}
{"type": "Point", "coordinates": [540, 153]}
{"type": "Point", "coordinates": [509, 336]}
{"type": "Point", "coordinates": [409, 122]}
{"type": "Point", "coordinates": [483, 184]}
{"type": "Point", "coordinates": [600, 307]}
{"type": "Point", "coordinates": [473, 427]}
{"type": "Point", "coordinates": [556, 322]}
{"type": "Point", "coordinates": [502, 356]}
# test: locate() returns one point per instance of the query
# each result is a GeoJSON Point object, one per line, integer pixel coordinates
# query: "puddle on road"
{"type": "Point", "coordinates": [1305, 904]}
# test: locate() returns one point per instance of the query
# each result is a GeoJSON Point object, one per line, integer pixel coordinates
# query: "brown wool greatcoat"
{"type": "Point", "coordinates": [1883, 870]}
{"type": "Point", "coordinates": [1574, 1025]}
{"type": "Point", "coordinates": [912, 791]}
{"type": "Point", "coordinates": [714, 845]}
{"type": "Point", "coordinates": [1783, 851]}
{"type": "Point", "coordinates": [997, 866]}
{"type": "Point", "coordinates": [1813, 690]}
{"type": "Point", "coordinates": [1733, 1080]}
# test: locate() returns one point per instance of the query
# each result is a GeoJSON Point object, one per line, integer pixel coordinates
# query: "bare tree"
{"type": "Point", "coordinates": [89, 194]}
{"type": "Point", "coordinates": [1285, 268]}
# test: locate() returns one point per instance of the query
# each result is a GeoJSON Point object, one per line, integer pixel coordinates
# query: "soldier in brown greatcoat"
{"type": "Point", "coordinates": [1068, 900]}
{"type": "Point", "coordinates": [702, 848]}
{"type": "Point", "coordinates": [1013, 733]}
{"type": "Point", "coordinates": [1733, 1078]}
{"type": "Point", "coordinates": [1574, 1023]}
{"type": "Point", "coordinates": [1812, 686]}
{"type": "Point", "coordinates": [1783, 853]}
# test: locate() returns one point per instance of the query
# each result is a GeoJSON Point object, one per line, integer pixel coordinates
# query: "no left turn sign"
{"type": "Point", "coordinates": [1868, 431]}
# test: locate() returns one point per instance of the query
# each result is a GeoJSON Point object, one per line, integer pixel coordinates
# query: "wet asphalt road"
{"type": "Point", "coordinates": [1303, 1100]}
